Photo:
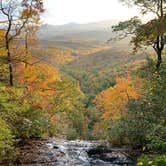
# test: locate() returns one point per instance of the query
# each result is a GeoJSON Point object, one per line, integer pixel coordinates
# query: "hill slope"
{"type": "Point", "coordinates": [96, 72]}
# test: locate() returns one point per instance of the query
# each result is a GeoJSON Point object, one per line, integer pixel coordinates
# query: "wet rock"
{"type": "Point", "coordinates": [110, 156]}
{"type": "Point", "coordinates": [99, 150]}
{"type": "Point", "coordinates": [56, 147]}
{"type": "Point", "coordinates": [59, 152]}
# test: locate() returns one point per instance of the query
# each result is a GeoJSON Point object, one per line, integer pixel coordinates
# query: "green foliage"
{"type": "Point", "coordinates": [32, 123]}
{"type": "Point", "coordinates": [68, 95]}
{"type": "Point", "coordinates": [25, 121]}
{"type": "Point", "coordinates": [151, 33]}
{"type": "Point", "coordinates": [156, 137]}
{"type": "Point", "coordinates": [127, 27]}
{"type": "Point", "coordinates": [145, 33]}
{"type": "Point", "coordinates": [128, 131]}
{"type": "Point", "coordinates": [5, 136]}
{"type": "Point", "coordinates": [156, 160]}
{"type": "Point", "coordinates": [96, 72]}
{"type": "Point", "coordinates": [149, 111]}
{"type": "Point", "coordinates": [6, 143]}
{"type": "Point", "coordinates": [72, 134]}
{"type": "Point", "coordinates": [18, 121]}
{"type": "Point", "coordinates": [67, 102]}
{"type": "Point", "coordinates": [144, 123]}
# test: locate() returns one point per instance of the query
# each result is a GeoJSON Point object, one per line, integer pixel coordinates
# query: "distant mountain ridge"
{"type": "Point", "coordinates": [95, 30]}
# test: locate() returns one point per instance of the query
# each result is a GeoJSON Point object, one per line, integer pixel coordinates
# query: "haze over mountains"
{"type": "Point", "coordinates": [94, 31]}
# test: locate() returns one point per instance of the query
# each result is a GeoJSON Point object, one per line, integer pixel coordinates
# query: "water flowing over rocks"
{"type": "Point", "coordinates": [60, 152]}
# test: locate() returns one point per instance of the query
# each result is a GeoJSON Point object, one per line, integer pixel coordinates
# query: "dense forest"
{"type": "Point", "coordinates": [83, 82]}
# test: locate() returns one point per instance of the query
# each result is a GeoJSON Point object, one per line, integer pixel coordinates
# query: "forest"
{"type": "Point", "coordinates": [83, 81]}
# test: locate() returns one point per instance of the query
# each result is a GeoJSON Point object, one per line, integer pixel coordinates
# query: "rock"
{"type": "Point", "coordinates": [59, 152]}
{"type": "Point", "coordinates": [110, 156]}
{"type": "Point", "coordinates": [56, 147]}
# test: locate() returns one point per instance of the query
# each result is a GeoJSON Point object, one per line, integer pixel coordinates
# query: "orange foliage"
{"type": "Point", "coordinates": [113, 101]}
{"type": "Point", "coordinates": [69, 55]}
{"type": "Point", "coordinates": [38, 81]}
{"type": "Point", "coordinates": [39, 77]}
{"type": "Point", "coordinates": [92, 50]}
{"type": "Point", "coordinates": [32, 8]}
{"type": "Point", "coordinates": [61, 57]}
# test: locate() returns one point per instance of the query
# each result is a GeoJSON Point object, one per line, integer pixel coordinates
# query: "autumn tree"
{"type": "Point", "coordinates": [67, 106]}
{"type": "Point", "coordinates": [151, 33]}
{"type": "Point", "coordinates": [29, 34]}
{"type": "Point", "coordinates": [114, 100]}
{"type": "Point", "coordinates": [15, 15]}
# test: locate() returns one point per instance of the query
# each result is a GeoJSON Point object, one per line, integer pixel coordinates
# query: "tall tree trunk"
{"type": "Point", "coordinates": [10, 64]}
{"type": "Point", "coordinates": [11, 74]}
{"type": "Point", "coordinates": [158, 47]}
{"type": "Point", "coordinates": [159, 58]}
{"type": "Point", "coordinates": [7, 42]}
{"type": "Point", "coordinates": [26, 48]}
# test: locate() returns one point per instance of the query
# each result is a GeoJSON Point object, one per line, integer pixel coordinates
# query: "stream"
{"type": "Point", "coordinates": [61, 152]}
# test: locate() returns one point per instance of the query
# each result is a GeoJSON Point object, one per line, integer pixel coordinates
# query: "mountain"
{"type": "Point", "coordinates": [94, 31]}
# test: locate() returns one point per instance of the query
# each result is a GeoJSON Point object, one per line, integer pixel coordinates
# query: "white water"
{"type": "Point", "coordinates": [61, 152]}
{"type": "Point", "coordinates": [75, 152]}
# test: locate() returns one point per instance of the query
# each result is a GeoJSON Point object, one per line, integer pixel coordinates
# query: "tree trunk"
{"type": "Point", "coordinates": [11, 74]}
{"type": "Point", "coordinates": [158, 47]}
{"type": "Point", "coordinates": [26, 48]}
{"type": "Point", "coordinates": [10, 64]}
{"type": "Point", "coordinates": [7, 42]}
{"type": "Point", "coordinates": [159, 59]}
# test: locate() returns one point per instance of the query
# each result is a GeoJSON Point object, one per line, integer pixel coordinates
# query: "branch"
{"type": "Point", "coordinates": [19, 30]}
{"type": "Point", "coordinates": [2, 8]}
{"type": "Point", "coordinates": [31, 64]}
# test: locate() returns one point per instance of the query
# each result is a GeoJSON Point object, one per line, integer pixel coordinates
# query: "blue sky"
{"type": "Point", "coordinates": [83, 11]}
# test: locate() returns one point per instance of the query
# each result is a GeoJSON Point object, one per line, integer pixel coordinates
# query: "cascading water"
{"type": "Point", "coordinates": [60, 152]}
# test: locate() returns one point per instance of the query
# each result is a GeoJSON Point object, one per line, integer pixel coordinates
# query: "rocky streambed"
{"type": "Point", "coordinates": [60, 152]}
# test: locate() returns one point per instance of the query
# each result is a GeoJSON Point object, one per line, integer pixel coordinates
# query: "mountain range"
{"type": "Point", "coordinates": [94, 31]}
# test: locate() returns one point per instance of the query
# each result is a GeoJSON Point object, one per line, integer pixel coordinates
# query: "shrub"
{"type": "Point", "coordinates": [72, 134]}
{"type": "Point", "coordinates": [18, 120]}
{"type": "Point", "coordinates": [32, 123]}
{"type": "Point", "coordinates": [157, 138]}
{"type": "Point", "coordinates": [157, 160]}
{"type": "Point", "coordinates": [7, 149]}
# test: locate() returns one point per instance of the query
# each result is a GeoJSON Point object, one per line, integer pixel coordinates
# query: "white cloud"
{"type": "Point", "coordinates": [65, 11]}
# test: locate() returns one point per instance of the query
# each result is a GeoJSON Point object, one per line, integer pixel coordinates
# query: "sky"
{"type": "Point", "coordinates": [83, 11]}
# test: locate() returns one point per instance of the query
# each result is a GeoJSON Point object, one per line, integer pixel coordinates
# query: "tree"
{"type": "Point", "coordinates": [15, 15]}
{"type": "Point", "coordinates": [113, 101]}
{"type": "Point", "coordinates": [29, 34]}
{"type": "Point", "coordinates": [149, 33]}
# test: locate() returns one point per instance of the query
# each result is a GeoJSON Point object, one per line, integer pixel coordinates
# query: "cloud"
{"type": "Point", "coordinates": [65, 11]}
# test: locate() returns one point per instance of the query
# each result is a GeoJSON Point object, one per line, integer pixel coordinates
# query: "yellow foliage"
{"type": "Point", "coordinates": [39, 76]}
{"type": "Point", "coordinates": [113, 101]}
{"type": "Point", "coordinates": [65, 56]}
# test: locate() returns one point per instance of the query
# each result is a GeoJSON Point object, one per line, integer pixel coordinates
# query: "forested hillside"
{"type": "Point", "coordinates": [97, 71]}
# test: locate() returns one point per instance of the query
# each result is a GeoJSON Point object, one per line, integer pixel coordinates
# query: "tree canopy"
{"type": "Point", "coordinates": [152, 33]}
